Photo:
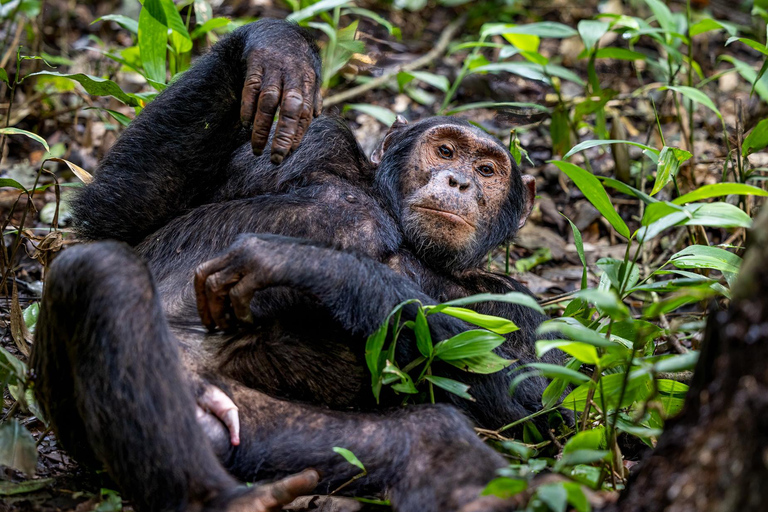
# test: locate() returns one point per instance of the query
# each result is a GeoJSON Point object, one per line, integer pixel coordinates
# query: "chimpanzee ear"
{"type": "Point", "coordinates": [529, 191]}
{"type": "Point", "coordinates": [378, 153]}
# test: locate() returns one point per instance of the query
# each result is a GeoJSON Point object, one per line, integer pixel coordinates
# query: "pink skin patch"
{"type": "Point", "coordinates": [221, 406]}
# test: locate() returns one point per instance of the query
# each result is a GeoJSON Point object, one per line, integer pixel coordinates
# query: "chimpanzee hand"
{"type": "Point", "coordinates": [224, 286]}
{"type": "Point", "coordinates": [220, 405]}
{"type": "Point", "coordinates": [283, 73]}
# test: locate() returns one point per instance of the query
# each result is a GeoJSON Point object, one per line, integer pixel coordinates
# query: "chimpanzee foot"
{"type": "Point", "coordinates": [271, 497]}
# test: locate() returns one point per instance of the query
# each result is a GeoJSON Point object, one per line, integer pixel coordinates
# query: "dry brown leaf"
{"type": "Point", "coordinates": [78, 171]}
{"type": "Point", "coordinates": [19, 332]}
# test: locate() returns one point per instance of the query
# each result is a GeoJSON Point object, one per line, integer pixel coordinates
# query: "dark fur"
{"type": "Point", "coordinates": [182, 185]}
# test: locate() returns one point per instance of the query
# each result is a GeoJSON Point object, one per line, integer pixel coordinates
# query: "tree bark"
{"type": "Point", "coordinates": [714, 456]}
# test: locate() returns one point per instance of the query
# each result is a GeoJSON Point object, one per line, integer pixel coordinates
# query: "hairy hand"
{"type": "Point", "coordinates": [284, 78]}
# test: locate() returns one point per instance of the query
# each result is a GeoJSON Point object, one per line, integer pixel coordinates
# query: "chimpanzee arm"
{"type": "Point", "coordinates": [359, 291]}
{"type": "Point", "coordinates": [175, 153]}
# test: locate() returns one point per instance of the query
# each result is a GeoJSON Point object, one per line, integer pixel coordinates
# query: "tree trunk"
{"type": "Point", "coordinates": [714, 456]}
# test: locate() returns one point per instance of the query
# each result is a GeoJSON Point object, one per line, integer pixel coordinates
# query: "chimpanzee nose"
{"type": "Point", "coordinates": [458, 180]}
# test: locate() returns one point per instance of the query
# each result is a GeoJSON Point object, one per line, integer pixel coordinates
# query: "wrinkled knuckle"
{"type": "Point", "coordinates": [253, 81]}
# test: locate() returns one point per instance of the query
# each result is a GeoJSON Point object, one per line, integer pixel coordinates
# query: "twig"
{"type": "Point", "coordinates": [422, 61]}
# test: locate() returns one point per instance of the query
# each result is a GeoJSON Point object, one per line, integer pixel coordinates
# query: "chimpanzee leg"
{"type": "Point", "coordinates": [108, 376]}
{"type": "Point", "coordinates": [423, 458]}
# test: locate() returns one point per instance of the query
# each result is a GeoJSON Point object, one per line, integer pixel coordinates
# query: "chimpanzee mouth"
{"type": "Point", "coordinates": [453, 217]}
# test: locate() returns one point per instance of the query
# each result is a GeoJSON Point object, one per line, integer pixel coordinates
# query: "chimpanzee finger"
{"type": "Point", "coordinates": [287, 125]}
{"type": "Point", "coordinates": [217, 292]}
{"type": "Point", "coordinates": [288, 489]}
{"type": "Point", "coordinates": [318, 99]}
{"type": "Point", "coordinates": [240, 296]}
{"type": "Point", "coordinates": [306, 114]}
{"type": "Point", "coordinates": [250, 95]}
{"type": "Point", "coordinates": [216, 401]}
{"type": "Point", "coordinates": [269, 99]}
{"type": "Point", "coordinates": [201, 275]}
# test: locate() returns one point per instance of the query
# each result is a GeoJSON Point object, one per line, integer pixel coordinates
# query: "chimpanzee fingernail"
{"type": "Point", "coordinates": [276, 158]}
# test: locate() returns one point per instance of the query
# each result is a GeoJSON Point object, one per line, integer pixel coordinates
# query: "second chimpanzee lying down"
{"type": "Point", "coordinates": [297, 256]}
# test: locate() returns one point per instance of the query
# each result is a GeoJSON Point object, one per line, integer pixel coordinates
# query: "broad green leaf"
{"type": "Point", "coordinates": [553, 371]}
{"type": "Point", "coordinates": [406, 383]}
{"type": "Point", "coordinates": [709, 24]}
{"type": "Point", "coordinates": [554, 496]}
{"type": "Point", "coordinates": [153, 37]}
{"type": "Point", "coordinates": [468, 344]}
{"type": "Point", "coordinates": [437, 81]}
{"type": "Point", "coordinates": [651, 229]}
{"type": "Point", "coordinates": [619, 53]}
{"type": "Point", "coordinates": [593, 143]}
{"type": "Point", "coordinates": [381, 114]}
{"type": "Point", "coordinates": [10, 182]}
{"type": "Point", "coordinates": [499, 105]}
{"type": "Point", "coordinates": [591, 31]}
{"type": "Point", "coordinates": [349, 457]}
{"type": "Point", "coordinates": [583, 457]}
{"type": "Point", "coordinates": [576, 496]}
{"type": "Point", "coordinates": [683, 297]}
{"type": "Point", "coordinates": [450, 385]}
{"type": "Point", "coordinates": [595, 193]}
{"type": "Point", "coordinates": [677, 363]}
{"type": "Point", "coordinates": [127, 23]}
{"type": "Point", "coordinates": [626, 189]}
{"type": "Point", "coordinates": [33, 136]}
{"type": "Point", "coordinates": [759, 85]}
{"type": "Point", "coordinates": [423, 336]}
{"type": "Point", "coordinates": [393, 30]}
{"type": "Point", "coordinates": [696, 96]}
{"type": "Point", "coordinates": [611, 385]}
{"type": "Point", "coordinates": [581, 351]}
{"type": "Point", "coordinates": [593, 439]}
{"type": "Point", "coordinates": [373, 348]}
{"type": "Point", "coordinates": [749, 42]}
{"type": "Point", "coordinates": [757, 138]}
{"type": "Point", "coordinates": [504, 487]}
{"type": "Point", "coordinates": [531, 71]}
{"type": "Point", "coordinates": [721, 189]}
{"type": "Point", "coordinates": [526, 42]}
{"type": "Point", "coordinates": [605, 301]}
{"type": "Point", "coordinates": [574, 330]}
{"type": "Point", "coordinates": [541, 29]}
{"type": "Point", "coordinates": [670, 160]}
{"type": "Point", "coordinates": [315, 9]}
{"type": "Point", "coordinates": [702, 256]}
{"type": "Point", "coordinates": [4, 76]}
{"type": "Point", "coordinates": [717, 215]}
{"type": "Point", "coordinates": [8, 488]}
{"type": "Point", "coordinates": [209, 26]}
{"type": "Point", "coordinates": [17, 447]}
{"type": "Point", "coordinates": [95, 86]}
{"type": "Point", "coordinates": [615, 271]}
{"type": "Point", "coordinates": [523, 299]}
{"type": "Point", "coordinates": [662, 14]}
{"type": "Point", "coordinates": [492, 323]}
{"type": "Point", "coordinates": [484, 364]}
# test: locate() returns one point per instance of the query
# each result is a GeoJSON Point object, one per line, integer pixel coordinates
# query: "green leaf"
{"type": "Point", "coordinates": [33, 136]}
{"type": "Point", "coordinates": [760, 86]}
{"type": "Point", "coordinates": [349, 457]}
{"type": "Point", "coordinates": [541, 29]}
{"type": "Point", "coordinates": [579, 243]}
{"type": "Point", "coordinates": [495, 324]}
{"type": "Point", "coordinates": [574, 330]}
{"type": "Point", "coordinates": [315, 9]}
{"type": "Point", "coordinates": [677, 363]}
{"type": "Point", "coordinates": [10, 182]}
{"type": "Point", "coordinates": [483, 364]}
{"type": "Point", "coordinates": [209, 26]}
{"type": "Point", "coordinates": [576, 457]}
{"type": "Point", "coordinates": [581, 351]}
{"type": "Point", "coordinates": [95, 86]}
{"type": "Point", "coordinates": [757, 138]}
{"type": "Point", "coordinates": [153, 37]}
{"type": "Point", "coordinates": [522, 299]}
{"type": "Point", "coordinates": [605, 301]}
{"type": "Point", "coordinates": [17, 447]}
{"type": "Point", "coordinates": [381, 114]}
{"type": "Point", "coordinates": [619, 53]}
{"type": "Point", "coordinates": [127, 23]}
{"type": "Point", "coordinates": [702, 256]}
{"type": "Point", "coordinates": [591, 31]}
{"type": "Point", "coordinates": [670, 160]}
{"type": "Point", "coordinates": [504, 487]}
{"type": "Point", "coordinates": [437, 81]}
{"type": "Point", "coordinates": [554, 496]}
{"type": "Point", "coordinates": [595, 193]}
{"type": "Point", "coordinates": [717, 215]}
{"type": "Point", "coordinates": [593, 439]}
{"type": "Point", "coordinates": [552, 371]}
{"type": "Point", "coordinates": [709, 24]}
{"type": "Point", "coordinates": [499, 105]}
{"type": "Point", "coordinates": [4, 76]}
{"type": "Point", "coordinates": [423, 336]}
{"type": "Point", "coordinates": [662, 14]}
{"type": "Point", "coordinates": [406, 383]}
{"type": "Point", "coordinates": [749, 42]}
{"type": "Point", "coordinates": [694, 95]}
{"type": "Point", "coordinates": [450, 385]}
{"type": "Point", "coordinates": [626, 189]}
{"type": "Point", "coordinates": [531, 71]}
{"type": "Point", "coordinates": [467, 344]}
{"type": "Point", "coordinates": [721, 189]}
{"type": "Point", "coordinates": [611, 385]}
{"type": "Point", "coordinates": [12, 488]}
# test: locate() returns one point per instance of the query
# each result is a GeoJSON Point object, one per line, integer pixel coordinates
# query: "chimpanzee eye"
{"type": "Point", "coordinates": [445, 151]}
{"type": "Point", "coordinates": [485, 170]}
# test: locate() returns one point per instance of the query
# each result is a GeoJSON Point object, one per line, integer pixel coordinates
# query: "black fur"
{"type": "Point", "coordinates": [182, 186]}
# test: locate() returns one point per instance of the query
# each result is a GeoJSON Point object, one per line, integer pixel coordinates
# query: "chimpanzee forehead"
{"type": "Point", "coordinates": [469, 138]}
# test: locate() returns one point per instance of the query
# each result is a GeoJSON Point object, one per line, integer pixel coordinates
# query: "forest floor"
{"type": "Point", "coordinates": [543, 257]}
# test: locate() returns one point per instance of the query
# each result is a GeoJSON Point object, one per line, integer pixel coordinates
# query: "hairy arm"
{"type": "Point", "coordinates": [174, 155]}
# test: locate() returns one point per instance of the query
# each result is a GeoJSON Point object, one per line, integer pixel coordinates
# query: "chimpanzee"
{"type": "Point", "coordinates": [297, 256]}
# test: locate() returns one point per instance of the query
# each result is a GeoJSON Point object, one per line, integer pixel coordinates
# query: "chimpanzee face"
{"type": "Point", "coordinates": [453, 189]}
{"type": "Point", "coordinates": [455, 183]}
